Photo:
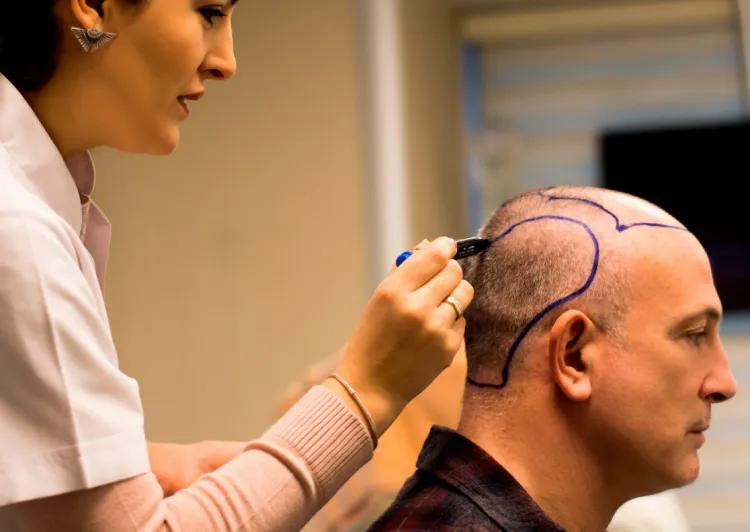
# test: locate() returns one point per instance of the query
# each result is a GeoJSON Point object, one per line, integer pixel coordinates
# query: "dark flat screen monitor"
{"type": "Point", "coordinates": [698, 174]}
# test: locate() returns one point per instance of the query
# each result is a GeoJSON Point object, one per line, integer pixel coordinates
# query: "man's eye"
{"type": "Point", "coordinates": [697, 337]}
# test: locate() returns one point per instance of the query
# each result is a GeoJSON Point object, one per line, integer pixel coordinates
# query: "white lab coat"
{"type": "Point", "coordinates": [69, 418]}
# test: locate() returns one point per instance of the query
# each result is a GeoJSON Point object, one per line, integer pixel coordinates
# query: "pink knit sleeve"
{"type": "Point", "coordinates": [278, 483]}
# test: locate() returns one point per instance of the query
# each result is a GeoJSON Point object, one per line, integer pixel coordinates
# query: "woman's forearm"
{"type": "Point", "coordinates": [278, 483]}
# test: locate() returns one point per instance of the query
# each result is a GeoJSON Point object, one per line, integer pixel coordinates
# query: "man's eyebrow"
{"type": "Point", "coordinates": [711, 314]}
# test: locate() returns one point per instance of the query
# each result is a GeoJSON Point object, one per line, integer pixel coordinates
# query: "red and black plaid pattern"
{"type": "Point", "coordinates": [458, 486]}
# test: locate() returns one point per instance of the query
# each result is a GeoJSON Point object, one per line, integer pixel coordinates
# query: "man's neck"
{"type": "Point", "coordinates": [552, 467]}
{"type": "Point", "coordinates": [399, 448]}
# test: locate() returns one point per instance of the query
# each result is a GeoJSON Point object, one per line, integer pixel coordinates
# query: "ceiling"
{"type": "Point", "coordinates": [512, 21]}
{"type": "Point", "coordinates": [542, 3]}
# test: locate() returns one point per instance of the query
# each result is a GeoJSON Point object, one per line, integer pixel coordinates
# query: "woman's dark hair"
{"type": "Point", "coordinates": [30, 35]}
{"type": "Point", "coordinates": [29, 42]}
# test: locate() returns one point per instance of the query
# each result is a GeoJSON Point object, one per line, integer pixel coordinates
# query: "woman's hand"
{"type": "Point", "coordinates": [407, 335]}
{"type": "Point", "coordinates": [177, 466]}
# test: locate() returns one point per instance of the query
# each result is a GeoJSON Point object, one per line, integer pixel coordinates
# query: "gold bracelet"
{"type": "Point", "coordinates": [353, 393]}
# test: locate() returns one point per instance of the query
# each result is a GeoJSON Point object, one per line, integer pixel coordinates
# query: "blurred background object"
{"type": "Point", "coordinates": [372, 490]}
{"type": "Point", "coordinates": [657, 513]}
{"type": "Point", "coordinates": [383, 122]}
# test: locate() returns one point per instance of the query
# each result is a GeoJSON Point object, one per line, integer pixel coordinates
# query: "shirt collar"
{"type": "Point", "coordinates": [462, 464]}
{"type": "Point", "coordinates": [60, 183]}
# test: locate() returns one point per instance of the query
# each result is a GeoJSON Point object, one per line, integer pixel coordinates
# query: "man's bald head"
{"type": "Point", "coordinates": [599, 312]}
{"type": "Point", "coordinates": [555, 249]}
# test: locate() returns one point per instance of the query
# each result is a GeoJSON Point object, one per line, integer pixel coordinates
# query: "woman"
{"type": "Point", "coordinates": [75, 74]}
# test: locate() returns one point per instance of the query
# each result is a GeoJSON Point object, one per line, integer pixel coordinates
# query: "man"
{"type": "Point", "coordinates": [369, 493]}
{"type": "Point", "coordinates": [593, 360]}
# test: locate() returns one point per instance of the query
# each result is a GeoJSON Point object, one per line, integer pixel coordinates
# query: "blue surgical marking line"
{"type": "Point", "coordinates": [552, 306]}
{"type": "Point", "coordinates": [594, 268]}
{"type": "Point", "coordinates": [620, 227]}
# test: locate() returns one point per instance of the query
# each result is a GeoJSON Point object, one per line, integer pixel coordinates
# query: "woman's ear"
{"type": "Point", "coordinates": [86, 16]}
{"type": "Point", "coordinates": [572, 354]}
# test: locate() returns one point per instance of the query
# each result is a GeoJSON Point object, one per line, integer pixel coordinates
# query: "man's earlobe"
{"type": "Point", "coordinates": [571, 354]}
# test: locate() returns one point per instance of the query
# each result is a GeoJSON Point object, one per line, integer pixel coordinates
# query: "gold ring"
{"type": "Point", "coordinates": [453, 302]}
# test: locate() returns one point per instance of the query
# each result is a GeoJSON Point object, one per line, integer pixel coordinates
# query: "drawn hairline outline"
{"type": "Point", "coordinates": [619, 227]}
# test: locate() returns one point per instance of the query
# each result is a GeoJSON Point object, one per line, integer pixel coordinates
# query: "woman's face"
{"type": "Point", "coordinates": [149, 75]}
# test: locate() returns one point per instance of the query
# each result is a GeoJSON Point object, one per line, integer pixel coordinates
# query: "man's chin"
{"type": "Point", "coordinates": [682, 473]}
{"type": "Point", "coordinates": [689, 472]}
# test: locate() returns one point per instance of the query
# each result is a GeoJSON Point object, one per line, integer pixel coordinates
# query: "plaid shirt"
{"type": "Point", "coordinates": [458, 486]}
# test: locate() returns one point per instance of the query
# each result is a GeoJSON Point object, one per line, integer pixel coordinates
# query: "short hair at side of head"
{"type": "Point", "coordinates": [522, 274]}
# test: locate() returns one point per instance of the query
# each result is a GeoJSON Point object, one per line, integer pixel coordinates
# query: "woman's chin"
{"type": "Point", "coordinates": [166, 142]}
{"type": "Point", "coordinates": [161, 141]}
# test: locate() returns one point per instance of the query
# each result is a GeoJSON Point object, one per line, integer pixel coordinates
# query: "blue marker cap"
{"type": "Point", "coordinates": [464, 248]}
{"type": "Point", "coordinates": [401, 258]}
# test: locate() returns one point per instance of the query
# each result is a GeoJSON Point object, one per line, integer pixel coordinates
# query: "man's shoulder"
{"type": "Point", "coordinates": [427, 504]}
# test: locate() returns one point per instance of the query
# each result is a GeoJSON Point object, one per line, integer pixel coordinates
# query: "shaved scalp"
{"type": "Point", "coordinates": [554, 250]}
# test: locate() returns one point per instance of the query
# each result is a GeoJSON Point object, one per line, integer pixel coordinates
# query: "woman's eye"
{"type": "Point", "coordinates": [211, 14]}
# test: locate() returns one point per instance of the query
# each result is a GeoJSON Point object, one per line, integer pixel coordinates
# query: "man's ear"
{"type": "Point", "coordinates": [572, 353]}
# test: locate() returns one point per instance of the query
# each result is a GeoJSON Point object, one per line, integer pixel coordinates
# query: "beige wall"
{"type": "Point", "coordinates": [242, 258]}
{"type": "Point", "coordinates": [432, 85]}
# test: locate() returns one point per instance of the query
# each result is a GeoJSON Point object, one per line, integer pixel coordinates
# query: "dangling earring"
{"type": "Point", "coordinates": [91, 40]}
